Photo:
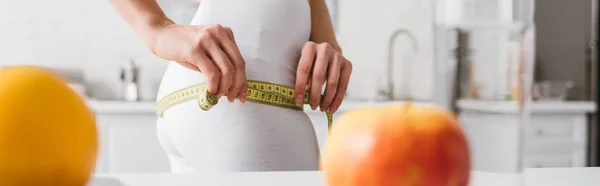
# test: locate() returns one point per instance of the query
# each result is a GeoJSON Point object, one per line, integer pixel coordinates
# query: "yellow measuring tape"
{"type": "Point", "coordinates": [258, 92]}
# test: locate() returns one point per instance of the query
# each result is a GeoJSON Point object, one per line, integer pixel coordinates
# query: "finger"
{"type": "Point", "coordinates": [342, 87]}
{"type": "Point", "coordinates": [229, 33]}
{"type": "Point", "coordinates": [224, 64]}
{"type": "Point", "coordinates": [308, 83]}
{"type": "Point", "coordinates": [239, 81]}
{"type": "Point", "coordinates": [243, 96]}
{"type": "Point", "coordinates": [227, 41]}
{"type": "Point", "coordinates": [333, 77]}
{"type": "Point", "coordinates": [207, 68]}
{"type": "Point", "coordinates": [237, 86]}
{"type": "Point", "coordinates": [225, 37]}
{"type": "Point", "coordinates": [303, 72]}
{"type": "Point", "coordinates": [318, 76]}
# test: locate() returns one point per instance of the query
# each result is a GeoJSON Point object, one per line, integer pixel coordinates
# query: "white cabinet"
{"type": "Point", "coordinates": [129, 144]}
{"type": "Point", "coordinates": [127, 136]}
{"type": "Point", "coordinates": [319, 120]}
{"type": "Point", "coordinates": [555, 137]}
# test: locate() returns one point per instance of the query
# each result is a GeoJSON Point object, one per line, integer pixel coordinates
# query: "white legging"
{"type": "Point", "coordinates": [244, 137]}
{"type": "Point", "coordinates": [265, 139]}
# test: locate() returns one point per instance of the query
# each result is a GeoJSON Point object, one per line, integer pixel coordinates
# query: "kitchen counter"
{"type": "Point", "coordinates": [148, 107]}
{"type": "Point", "coordinates": [535, 107]}
{"type": "Point", "coordinates": [532, 177]}
{"type": "Point", "coordinates": [122, 107]}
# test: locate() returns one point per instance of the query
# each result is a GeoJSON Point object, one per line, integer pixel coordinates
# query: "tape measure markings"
{"type": "Point", "coordinates": [258, 92]}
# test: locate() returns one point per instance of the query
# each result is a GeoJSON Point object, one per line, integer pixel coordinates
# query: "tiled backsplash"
{"type": "Point", "coordinates": [91, 36]}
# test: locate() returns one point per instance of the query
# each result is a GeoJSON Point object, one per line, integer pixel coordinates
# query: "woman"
{"type": "Point", "coordinates": [286, 42]}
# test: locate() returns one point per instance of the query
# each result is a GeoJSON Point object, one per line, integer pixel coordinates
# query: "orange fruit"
{"type": "Point", "coordinates": [48, 134]}
{"type": "Point", "coordinates": [399, 145]}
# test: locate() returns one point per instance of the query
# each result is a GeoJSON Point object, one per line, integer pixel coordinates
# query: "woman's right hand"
{"type": "Point", "coordinates": [210, 49]}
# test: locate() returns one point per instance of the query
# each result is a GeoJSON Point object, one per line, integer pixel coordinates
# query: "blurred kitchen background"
{"type": "Point", "coordinates": [107, 63]}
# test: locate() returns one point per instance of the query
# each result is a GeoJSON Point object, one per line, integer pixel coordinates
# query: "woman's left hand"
{"type": "Point", "coordinates": [322, 64]}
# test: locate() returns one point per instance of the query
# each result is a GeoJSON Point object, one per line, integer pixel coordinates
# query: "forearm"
{"type": "Point", "coordinates": [322, 27]}
{"type": "Point", "coordinates": [145, 17]}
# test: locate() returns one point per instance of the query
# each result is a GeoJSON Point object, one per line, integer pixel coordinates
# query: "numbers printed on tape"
{"type": "Point", "coordinates": [258, 92]}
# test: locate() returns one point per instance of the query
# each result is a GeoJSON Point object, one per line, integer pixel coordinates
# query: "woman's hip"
{"type": "Point", "coordinates": [239, 122]}
{"type": "Point", "coordinates": [246, 118]}
{"type": "Point", "coordinates": [236, 136]}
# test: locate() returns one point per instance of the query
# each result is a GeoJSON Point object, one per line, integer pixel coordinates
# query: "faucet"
{"type": "Point", "coordinates": [388, 92]}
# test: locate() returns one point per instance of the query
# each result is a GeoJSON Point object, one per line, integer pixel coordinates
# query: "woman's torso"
{"type": "Point", "coordinates": [251, 136]}
{"type": "Point", "coordinates": [269, 33]}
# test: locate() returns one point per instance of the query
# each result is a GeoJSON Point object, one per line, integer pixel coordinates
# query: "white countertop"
{"type": "Point", "coordinates": [532, 177]}
{"type": "Point", "coordinates": [148, 107]}
{"type": "Point", "coordinates": [122, 107]}
{"type": "Point", "coordinates": [563, 176]}
{"type": "Point", "coordinates": [536, 107]}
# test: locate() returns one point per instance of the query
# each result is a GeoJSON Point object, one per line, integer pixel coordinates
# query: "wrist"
{"type": "Point", "coordinates": [151, 29]}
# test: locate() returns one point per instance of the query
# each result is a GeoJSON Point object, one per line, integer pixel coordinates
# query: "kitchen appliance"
{"type": "Point", "coordinates": [489, 46]}
{"type": "Point", "coordinates": [129, 80]}
{"type": "Point", "coordinates": [552, 90]}
{"type": "Point", "coordinates": [594, 83]}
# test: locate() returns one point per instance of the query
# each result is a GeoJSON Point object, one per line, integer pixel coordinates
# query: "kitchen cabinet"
{"type": "Point", "coordinates": [128, 143]}
{"type": "Point", "coordinates": [556, 135]}
{"type": "Point", "coordinates": [127, 136]}
{"type": "Point", "coordinates": [319, 120]}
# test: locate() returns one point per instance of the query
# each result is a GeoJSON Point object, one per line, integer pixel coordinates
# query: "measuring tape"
{"type": "Point", "coordinates": [258, 92]}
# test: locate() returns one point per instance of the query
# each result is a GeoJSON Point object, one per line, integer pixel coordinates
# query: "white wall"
{"type": "Point", "coordinates": [364, 31]}
{"type": "Point", "coordinates": [76, 34]}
